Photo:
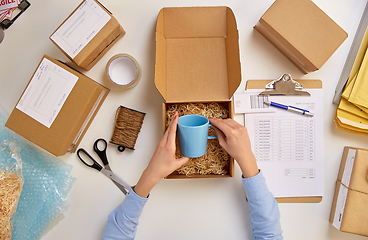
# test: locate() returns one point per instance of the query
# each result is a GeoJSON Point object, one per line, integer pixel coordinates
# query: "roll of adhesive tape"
{"type": "Point", "coordinates": [123, 70]}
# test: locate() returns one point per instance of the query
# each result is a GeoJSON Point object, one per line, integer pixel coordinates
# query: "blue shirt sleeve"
{"type": "Point", "coordinates": [263, 213]}
{"type": "Point", "coordinates": [263, 209]}
{"type": "Point", "coordinates": [123, 220]}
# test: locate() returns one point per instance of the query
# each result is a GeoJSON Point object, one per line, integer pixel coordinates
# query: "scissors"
{"type": "Point", "coordinates": [106, 170]}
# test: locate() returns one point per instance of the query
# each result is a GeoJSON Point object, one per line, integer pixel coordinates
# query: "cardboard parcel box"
{"type": "Point", "coordinates": [87, 34]}
{"type": "Point", "coordinates": [57, 107]}
{"type": "Point", "coordinates": [197, 60]}
{"type": "Point", "coordinates": [349, 211]}
{"type": "Point", "coordinates": [302, 32]}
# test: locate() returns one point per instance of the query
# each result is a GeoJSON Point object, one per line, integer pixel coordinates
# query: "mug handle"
{"type": "Point", "coordinates": [212, 136]}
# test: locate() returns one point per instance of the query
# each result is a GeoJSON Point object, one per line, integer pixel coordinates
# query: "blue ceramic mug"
{"type": "Point", "coordinates": [193, 135]}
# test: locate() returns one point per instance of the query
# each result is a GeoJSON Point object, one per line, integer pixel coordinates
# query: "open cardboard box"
{"type": "Point", "coordinates": [197, 59]}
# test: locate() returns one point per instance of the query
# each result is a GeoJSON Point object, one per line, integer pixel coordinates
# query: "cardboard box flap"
{"type": "Point", "coordinates": [232, 53]}
{"type": "Point", "coordinates": [195, 22]}
{"type": "Point", "coordinates": [197, 54]}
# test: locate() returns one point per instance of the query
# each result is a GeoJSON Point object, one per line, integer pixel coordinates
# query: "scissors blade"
{"type": "Point", "coordinates": [107, 167]}
{"type": "Point", "coordinates": [121, 187]}
{"type": "Point", "coordinates": [115, 179]}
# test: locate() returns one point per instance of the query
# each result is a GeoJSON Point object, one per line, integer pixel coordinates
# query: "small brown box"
{"type": "Point", "coordinates": [302, 32]}
{"type": "Point", "coordinates": [76, 113]}
{"type": "Point", "coordinates": [197, 60]}
{"type": "Point", "coordinates": [85, 44]}
{"type": "Point", "coordinates": [349, 212]}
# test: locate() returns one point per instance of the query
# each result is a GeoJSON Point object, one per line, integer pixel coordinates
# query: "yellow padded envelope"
{"type": "Point", "coordinates": [349, 107]}
{"type": "Point", "coordinates": [349, 86]}
{"type": "Point", "coordinates": [341, 126]}
{"type": "Point", "coordinates": [358, 95]}
{"type": "Point", "coordinates": [352, 121]}
{"type": "Point", "coordinates": [357, 86]}
{"type": "Point", "coordinates": [358, 60]}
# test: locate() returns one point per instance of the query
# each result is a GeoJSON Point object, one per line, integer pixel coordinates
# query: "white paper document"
{"type": "Point", "coordinates": [289, 146]}
{"type": "Point", "coordinates": [47, 92]}
{"type": "Point", "coordinates": [81, 27]}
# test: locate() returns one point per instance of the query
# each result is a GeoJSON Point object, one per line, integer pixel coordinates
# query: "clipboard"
{"type": "Point", "coordinates": [306, 84]}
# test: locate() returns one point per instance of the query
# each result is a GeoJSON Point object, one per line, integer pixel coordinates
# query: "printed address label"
{"type": "Point", "coordinates": [47, 92]}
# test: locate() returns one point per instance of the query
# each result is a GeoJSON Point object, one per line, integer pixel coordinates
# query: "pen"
{"type": "Point", "coordinates": [290, 108]}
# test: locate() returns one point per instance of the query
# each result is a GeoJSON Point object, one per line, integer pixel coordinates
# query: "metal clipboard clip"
{"type": "Point", "coordinates": [285, 85]}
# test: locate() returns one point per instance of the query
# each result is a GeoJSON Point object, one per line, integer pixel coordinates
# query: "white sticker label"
{"type": "Point", "coordinates": [348, 167]}
{"type": "Point", "coordinates": [340, 206]}
{"type": "Point", "coordinates": [47, 92]}
{"type": "Point", "coordinates": [251, 102]}
{"type": "Point", "coordinates": [81, 27]}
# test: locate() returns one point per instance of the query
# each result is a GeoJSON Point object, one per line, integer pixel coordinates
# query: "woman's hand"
{"type": "Point", "coordinates": [234, 138]}
{"type": "Point", "coordinates": [163, 161]}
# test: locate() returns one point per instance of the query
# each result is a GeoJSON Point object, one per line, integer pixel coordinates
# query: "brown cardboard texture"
{"type": "Point", "coordinates": [197, 57]}
{"type": "Point", "coordinates": [349, 212]}
{"type": "Point", "coordinates": [302, 32]}
{"type": "Point", "coordinates": [100, 43]}
{"type": "Point", "coordinates": [72, 121]}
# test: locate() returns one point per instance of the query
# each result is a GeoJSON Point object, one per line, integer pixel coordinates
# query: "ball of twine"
{"type": "Point", "coordinates": [128, 124]}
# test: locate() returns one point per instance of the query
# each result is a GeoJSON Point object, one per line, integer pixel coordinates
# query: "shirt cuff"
{"type": "Point", "coordinates": [132, 206]}
{"type": "Point", "coordinates": [255, 187]}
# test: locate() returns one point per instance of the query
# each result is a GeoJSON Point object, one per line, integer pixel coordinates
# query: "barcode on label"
{"type": "Point", "coordinates": [257, 101]}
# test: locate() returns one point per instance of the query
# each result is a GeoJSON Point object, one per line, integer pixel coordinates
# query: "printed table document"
{"type": "Point", "coordinates": [289, 146]}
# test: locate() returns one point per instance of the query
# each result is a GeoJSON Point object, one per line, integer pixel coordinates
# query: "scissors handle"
{"type": "Point", "coordinates": [101, 153]}
{"type": "Point", "coordinates": [94, 164]}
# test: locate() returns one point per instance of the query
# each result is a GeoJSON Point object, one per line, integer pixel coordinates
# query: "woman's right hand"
{"type": "Point", "coordinates": [234, 138]}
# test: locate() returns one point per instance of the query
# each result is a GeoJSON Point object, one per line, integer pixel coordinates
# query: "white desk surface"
{"type": "Point", "coordinates": [177, 209]}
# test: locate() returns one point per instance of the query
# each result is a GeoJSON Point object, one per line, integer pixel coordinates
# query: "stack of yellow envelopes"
{"type": "Point", "coordinates": [352, 112]}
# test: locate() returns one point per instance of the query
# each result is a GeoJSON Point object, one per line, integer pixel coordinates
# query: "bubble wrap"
{"type": "Point", "coordinates": [47, 182]}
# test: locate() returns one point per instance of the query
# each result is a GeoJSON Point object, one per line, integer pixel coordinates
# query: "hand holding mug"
{"type": "Point", "coordinates": [234, 138]}
{"type": "Point", "coordinates": [163, 161]}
